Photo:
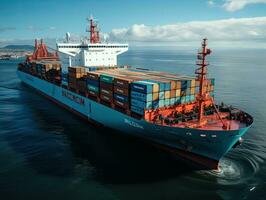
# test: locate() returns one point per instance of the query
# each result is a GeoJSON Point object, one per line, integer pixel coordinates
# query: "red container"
{"type": "Point", "coordinates": [172, 93]}
{"type": "Point", "coordinates": [93, 76]}
{"type": "Point", "coordinates": [105, 92]}
{"type": "Point", "coordinates": [106, 98]}
{"type": "Point", "coordinates": [122, 82]}
{"type": "Point", "coordinates": [106, 86]}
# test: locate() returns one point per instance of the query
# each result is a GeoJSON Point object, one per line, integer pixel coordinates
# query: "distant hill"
{"type": "Point", "coordinates": [18, 47]}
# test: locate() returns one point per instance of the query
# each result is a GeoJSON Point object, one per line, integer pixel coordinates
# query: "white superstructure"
{"type": "Point", "coordinates": [90, 55]}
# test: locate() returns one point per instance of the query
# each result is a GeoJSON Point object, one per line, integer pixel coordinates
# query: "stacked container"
{"type": "Point", "coordinates": [144, 96]}
{"type": "Point", "coordinates": [106, 88]}
{"type": "Point", "coordinates": [93, 84]}
{"type": "Point", "coordinates": [122, 92]}
{"type": "Point", "coordinates": [76, 77]}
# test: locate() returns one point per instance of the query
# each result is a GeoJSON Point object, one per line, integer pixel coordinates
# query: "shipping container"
{"type": "Point", "coordinates": [122, 82]}
{"type": "Point", "coordinates": [93, 88]}
{"type": "Point", "coordinates": [106, 78]}
{"type": "Point", "coordinates": [137, 110]}
{"type": "Point", "coordinates": [155, 96]}
{"type": "Point", "coordinates": [106, 86]}
{"type": "Point", "coordinates": [141, 96]}
{"type": "Point", "coordinates": [144, 87]}
{"type": "Point", "coordinates": [167, 94]}
{"type": "Point", "coordinates": [106, 98]}
{"type": "Point", "coordinates": [93, 82]}
{"type": "Point", "coordinates": [121, 98]}
{"type": "Point", "coordinates": [106, 92]}
{"type": "Point", "coordinates": [172, 93]}
{"type": "Point", "coordinates": [93, 93]}
{"type": "Point", "coordinates": [141, 104]}
{"type": "Point", "coordinates": [161, 95]}
{"type": "Point", "coordinates": [121, 104]}
{"type": "Point", "coordinates": [167, 102]}
{"type": "Point", "coordinates": [178, 92]}
{"type": "Point", "coordinates": [93, 76]}
{"type": "Point", "coordinates": [123, 91]}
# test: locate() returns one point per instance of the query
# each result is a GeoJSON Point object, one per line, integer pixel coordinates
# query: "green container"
{"type": "Point", "coordinates": [93, 88]}
{"type": "Point", "coordinates": [106, 78]}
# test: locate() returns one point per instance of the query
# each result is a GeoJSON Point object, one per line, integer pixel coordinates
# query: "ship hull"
{"type": "Point", "coordinates": [202, 148]}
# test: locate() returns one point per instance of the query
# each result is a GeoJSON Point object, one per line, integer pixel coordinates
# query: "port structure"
{"type": "Point", "coordinates": [201, 76]}
{"type": "Point", "coordinates": [41, 53]}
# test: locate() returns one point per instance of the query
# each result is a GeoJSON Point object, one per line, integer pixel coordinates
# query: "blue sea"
{"type": "Point", "coordinates": [48, 153]}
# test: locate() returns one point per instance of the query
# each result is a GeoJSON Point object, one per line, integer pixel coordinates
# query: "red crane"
{"type": "Point", "coordinates": [94, 32]}
{"type": "Point", "coordinates": [41, 52]}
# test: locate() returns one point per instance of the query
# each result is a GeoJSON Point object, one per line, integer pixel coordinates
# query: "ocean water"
{"type": "Point", "coordinates": [48, 153]}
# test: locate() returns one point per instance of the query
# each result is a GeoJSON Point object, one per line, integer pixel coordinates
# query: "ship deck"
{"type": "Point", "coordinates": [210, 122]}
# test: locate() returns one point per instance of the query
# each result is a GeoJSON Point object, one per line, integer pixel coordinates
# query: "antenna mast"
{"type": "Point", "coordinates": [94, 31]}
{"type": "Point", "coordinates": [201, 73]}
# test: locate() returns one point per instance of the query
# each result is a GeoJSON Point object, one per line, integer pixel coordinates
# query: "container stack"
{"type": "Point", "coordinates": [140, 91]}
{"type": "Point", "coordinates": [188, 91]}
{"type": "Point", "coordinates": [144, 96]}
{"type": "Point", "coordinates": [121, 92]}
{"type": "Point", "coordinates": [76, 77]}
{"type": "Point", "coordinates": [93, 84]}
{"type": "Point", "coordinates": [106, 88]}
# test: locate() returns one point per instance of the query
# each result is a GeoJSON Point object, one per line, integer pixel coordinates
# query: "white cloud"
{"type": "Point", "coordinates": [211, 3]}
{"type": "Point", "coordinates": [234, 5]}
{"type": "Point", "coordinates": [227, 30]}
{"type": "Point", "coordinates": [34, 28]}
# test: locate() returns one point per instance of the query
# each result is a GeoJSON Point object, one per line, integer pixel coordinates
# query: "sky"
{"type": "Point", "coordinates": [240, 23]}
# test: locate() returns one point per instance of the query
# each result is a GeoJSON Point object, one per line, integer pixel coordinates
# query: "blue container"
{"type": "Point", "coordinates": [161, 103]}
{"type": "Point", "coordinates": [93, 82]}
{"type": "Point", "coordinates": [155, 104]}
{"type": "Point", "coordinates": [167, 86]}
{"type": "Point", "coordinates": [196, 90]}
{"type": "Point", "coordinates": [172, 101]}
{"type": "Point", "coordinates": [161, 95]}
{"type": "Point", "coordinates": [192, 98]}
{"type": "Point", "coordinates": [137, 110]}
{"type": "Point", "coordinates": [183, 99]}
{"type": "Point", "coordinates": [141, 96]}
{"type": "Point", "coordinates": [187, 99]}
{"type": "Point", "coordinates": [141, 104]}
{"type": "Point", "coordinates": [188, 83]}
{"type": "Point", "coordinates": [142, 86]}
{"type": "Point", "coordinates": [167, 102]}
{"type": "Point", "coordinates": [161, 85]}
{"type": "Point", "coordinates": [188, 91]}
{"type": "Point", "coordinates": [178, 100]}
{"type": "Point", "coordinates": [183, 84]}
{"type": "Point", "coordinates": [121, 98]}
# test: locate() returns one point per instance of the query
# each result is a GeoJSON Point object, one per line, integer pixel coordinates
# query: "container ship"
{"type": "Point", "coordinates": [174, 112]}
